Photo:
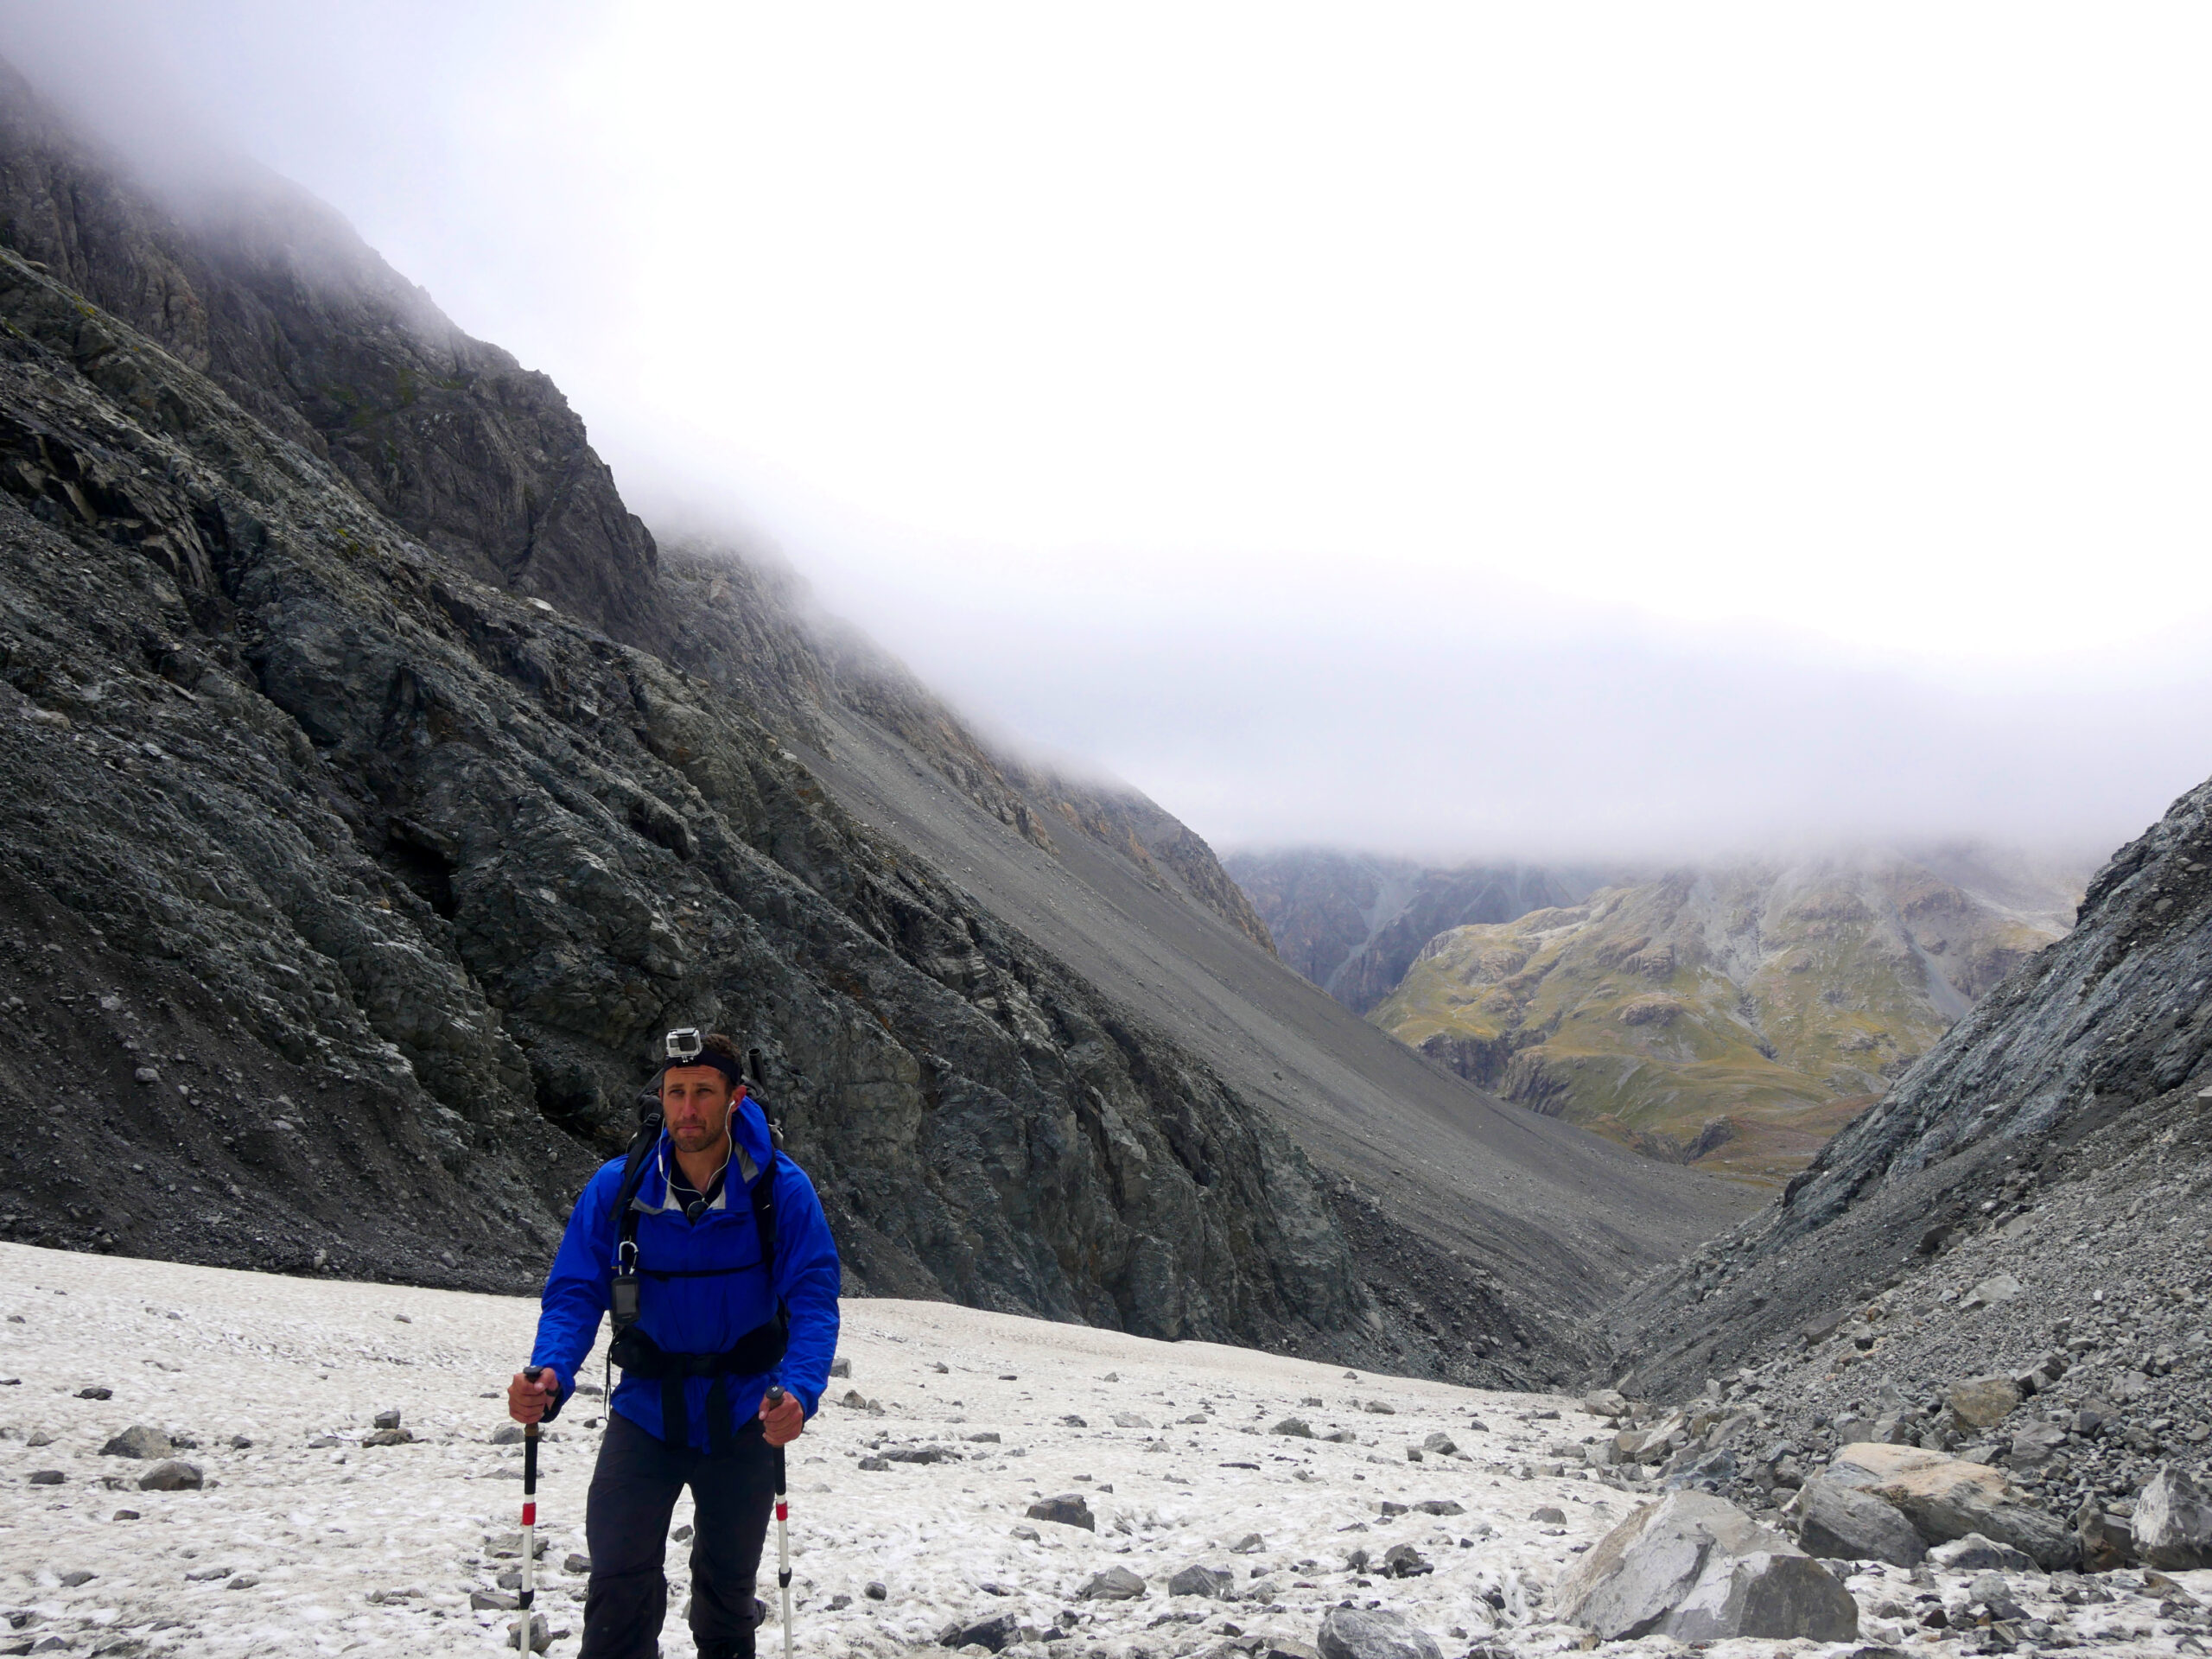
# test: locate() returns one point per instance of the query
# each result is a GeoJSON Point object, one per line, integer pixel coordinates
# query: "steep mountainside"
{"type": "Point", "coordinates": [1353, 923]}
{"type": "Point", "coordinates": [2059, 1135]}
{"type": "Point", "coordinates": [372, 787]}
{"type": "Point", "coordinates": [1732, 1017]}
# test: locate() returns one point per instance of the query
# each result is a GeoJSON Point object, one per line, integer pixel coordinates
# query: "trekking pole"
{"type": "Point", "coordinates": [783, 1533]}
{"type": "Point", "coordinates": [529, 1525]}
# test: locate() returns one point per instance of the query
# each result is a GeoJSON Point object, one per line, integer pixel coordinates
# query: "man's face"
{"type": "Point", "coordinates": [695, 1101]}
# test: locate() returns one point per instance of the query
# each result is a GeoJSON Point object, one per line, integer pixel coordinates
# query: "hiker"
{"type": "Point", "coordinates": [721, 1278]}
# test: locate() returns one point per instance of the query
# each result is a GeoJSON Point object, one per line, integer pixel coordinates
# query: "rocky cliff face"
{"type": "Point", "coordinates": [2056, 1133]}
{"type": "Point", "coordinates": [1732, 1016]}
{"type": "Point", "coordinates": [354, 848]}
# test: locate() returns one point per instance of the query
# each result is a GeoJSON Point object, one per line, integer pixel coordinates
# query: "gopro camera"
{"type": "Point", "coordinates": [685, 1046]}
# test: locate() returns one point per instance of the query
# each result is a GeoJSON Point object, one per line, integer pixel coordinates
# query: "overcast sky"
{"type": "Point", "coordinates": [1545, 429]}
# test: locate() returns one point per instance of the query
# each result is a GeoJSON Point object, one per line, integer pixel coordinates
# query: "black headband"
{"type": "Point", "coordinates": [727, 1064]}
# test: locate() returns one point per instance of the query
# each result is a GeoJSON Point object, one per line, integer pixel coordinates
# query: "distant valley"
{"type": "Point", "coordinates": [1731, 1016]}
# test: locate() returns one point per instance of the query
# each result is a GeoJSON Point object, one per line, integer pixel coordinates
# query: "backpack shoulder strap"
{"type": "Point", "coordinates": [764, 1217]}
{"type": "Point", "coordinates": [633, 1177]}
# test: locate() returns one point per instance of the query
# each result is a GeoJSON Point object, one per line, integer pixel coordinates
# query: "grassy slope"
{"type": "Point", "coordinates": [1733, 1017]}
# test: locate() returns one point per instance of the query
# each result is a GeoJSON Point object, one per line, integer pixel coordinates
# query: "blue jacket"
{"type": "Point", "coordinates": [705, 1314]}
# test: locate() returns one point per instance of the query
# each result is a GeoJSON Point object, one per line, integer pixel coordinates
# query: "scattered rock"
{"type": "Point", "coordinates": [1381, 1408]}
{"type": "Point", "coordinates": [1130, 1419]}
{"type": "Point", "coordinates": [485, 1601]}
{"type": "Point", "coordinates": [174, 1475]}
{"type": "Point", "coordinates": [71, 1579]}
{"type": "Point", "coordinates": [1976, 1554]}
{"type": "Point", "coordinates": [1027, 1534]}
{"type": "Point", "coordinates": [1114, 1583]}
{"type": "Point", "coordinates": [1404, 1561]}
{"type": "Point", "coordinates": [1250, 1544]}
{"type": "Point", "coordinates": [874, 1590]}
{"type": "Point", "coordinates": [507, 1435]}
{"type": "Point", "coordinates": [1441, 1506]}
{"type": "Point", "coordinates": [1441, 1444]}
{"type": "Point", "coordinates": [2173, 1522]}
{"type": "Point", "coordinates": [1840, 1521]}
{"type": "Point", "coordinates": [138, 1442]}
{"type": "Point", "coordinates": [541, 1634]}
{"type": "Point", "coordinates": [575, 1562]}
{"type": "Point", "coordinates": [386, 1419]}
{"type": "Point", "coordinates": [993, 1633]}
{"type": "Point", "coordinates": [1212, 1582]}
{"type": "Point", "coordinates": [1549, 1515]}
{"type": "Point", "coordinates": [1984, 1401]}
{"type": "Point", "coordinates": [241, 1443]}
{"type": "Point", "coordinates": [2107, 1542]}
{"type": "Point", "coordinates": [390, 1436]}
{"type": "Point", "coordinates": [1997, 1287]}
{"type": "Point", "coordinates": [841, 1366]}
{"type": "Point", "coordinates": [96, 1394]}
{"type": "Point", "coordinates": [1697, 1568]}
{"type": "Point", "coordinates": [1373, 1633]}
{"type": "Point", "coordinates": [988, 1437]}
{"type": "Point", "coordinates": [1069, 1509]}
{"type": "Point", "coordinates": [1296, 1426]}
{"type": "Point", "coordinates": [1605, 1403]}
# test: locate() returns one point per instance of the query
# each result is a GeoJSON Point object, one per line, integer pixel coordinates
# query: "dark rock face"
{"type": "Point", "coordinates": [272, 295]}
{"type": "Point", "coordinates": [331, 796]}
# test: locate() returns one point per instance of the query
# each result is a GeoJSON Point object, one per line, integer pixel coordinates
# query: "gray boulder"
{"type": "Point", "coordinates": [1295, 1426]}
{"type": "Point", "coordinates": [138, 1442]}
{"type": "Point", "coordinates": [1693, 1562]}
{"type": "Point", "coordinates": [174, 1475]}
{"type": "Point", "coordinates": [1845, 1524]}
{"type": "Point", "coordinates": [1984, 1401]}
{"type": "Point", "coordinates": [1069, 1509]}
{"type": "Point", "coordinates": [1373, 1633]}
{"type": "Point", "coordinates": [1212, 1582]}
{"type": "Point", "coordinates": [993, 1633]}
{"type": "Point", "coordinates": [2173, 1522]}
{"type": "Point", "coordinates": [1441, 1443]}
{"type": "Point", "coordinates": [1976, 1554]}
{"type": "Point", "coordinates": [1784, 1597]}
{"type": "Point", "coordinates": [1114, 1583]}
{"type": "Point", "coordinates": [1948, 1498]}
{"type": "Point", "coordinates": [2107, 1542]}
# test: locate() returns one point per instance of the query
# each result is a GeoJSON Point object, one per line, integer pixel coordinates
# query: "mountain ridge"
{"type": "Point", "coordinates": [378, 819]}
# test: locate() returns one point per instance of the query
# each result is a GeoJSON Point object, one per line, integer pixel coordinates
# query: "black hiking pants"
{"type": "Point", "coordinates": [634, 1491]}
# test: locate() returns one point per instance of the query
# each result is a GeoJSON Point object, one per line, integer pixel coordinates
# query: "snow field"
{"type": "Point", "coordinates": [344, 1548]}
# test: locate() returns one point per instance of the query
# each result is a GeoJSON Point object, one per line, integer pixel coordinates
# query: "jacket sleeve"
{"type": "Point", "coordinates": [575, 1293]}
{"type": "Point", "coordinates": [808, 1279]}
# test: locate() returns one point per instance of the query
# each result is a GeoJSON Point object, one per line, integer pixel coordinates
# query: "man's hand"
{"type": "Point", "coordinates": [782, 1422]}
{"type": "Point", "coordinates": [529, 1398]}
